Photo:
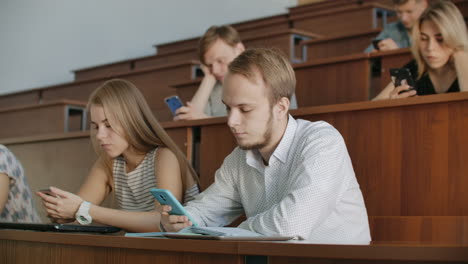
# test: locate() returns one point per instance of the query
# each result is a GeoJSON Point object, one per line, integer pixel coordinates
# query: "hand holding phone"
{"type": "Point", "coordinates": [375, 43]}
{"type": "Point", "coordinates": [165, 197]}
{"type": "Point", "coordinates": [47, 191]}
{"type": "Point", "coordinates": [174, 103]}
{"type": "Point", "coordinates": [400, 74]}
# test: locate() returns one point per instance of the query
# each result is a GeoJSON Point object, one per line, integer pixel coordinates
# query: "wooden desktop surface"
{"type": "Point", "coordinates": [45, 247]}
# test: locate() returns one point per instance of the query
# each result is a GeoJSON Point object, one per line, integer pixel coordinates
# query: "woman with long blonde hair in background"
{"type": "Point", "coordinates": [135, 154]}
{"type": "Point", "coordinates": [440, 45]}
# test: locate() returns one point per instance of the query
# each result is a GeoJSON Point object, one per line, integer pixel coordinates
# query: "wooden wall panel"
{"type": "Point", "coordinates": [333, 81]}
{"type": "Point", "coordinates": [20, 98]}
{"type": "Point", "coordinates": [107, 70]}
{"type": "Point", "coordinates": [167, 58]}
{"type": "Point", "coordinates": [327, 23]}
{"type": "Point", "coordinates": [40, 119]}
{"type": "Point", "coordinates": [216, 143]}
{"type": "Point", "coordinates": [154, 83]}
{"type": "Point", "coordinates": [339, 46]}
{"type": "Point", "coordinates": [420, 229]}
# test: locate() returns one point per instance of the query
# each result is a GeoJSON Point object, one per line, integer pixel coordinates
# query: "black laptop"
{"type": "Point", "coordinates": [60, 227]}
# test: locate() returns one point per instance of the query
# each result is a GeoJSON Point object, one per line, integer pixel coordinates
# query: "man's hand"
{"type": "Point", "coordinates": [387, 44]}
{"type": "Point", "coordinates": [188, 112]}
{"type": "Point", "coordinates": [172, 223]}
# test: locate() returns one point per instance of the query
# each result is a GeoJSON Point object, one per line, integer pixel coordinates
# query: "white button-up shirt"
{"type": "Point", "coordinates": [308, 189]}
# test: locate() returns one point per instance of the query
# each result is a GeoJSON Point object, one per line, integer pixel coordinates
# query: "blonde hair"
{"type": "Point", "coordinates": [141, 130]}
{"type": "Point", "coordinates": [226, 33]}
{"type": "Point", "coordinates": [274, 68]}
{"type": "Point", "coordinates": [448, 19]}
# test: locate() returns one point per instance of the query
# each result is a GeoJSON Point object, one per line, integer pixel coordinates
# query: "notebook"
{"type": "Point", "coordinates": [59, 227]}
{"type": "Point", "coordinates": [215, 233]}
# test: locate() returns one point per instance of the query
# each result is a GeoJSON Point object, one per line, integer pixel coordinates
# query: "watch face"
{"type": "Point", "coordinates": [82, 216]}
{"type": "Point", "coordinates": [84, 220]}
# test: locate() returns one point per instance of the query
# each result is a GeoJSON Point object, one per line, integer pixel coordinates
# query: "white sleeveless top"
{"type": "Point", "coordinates": [132, 189]}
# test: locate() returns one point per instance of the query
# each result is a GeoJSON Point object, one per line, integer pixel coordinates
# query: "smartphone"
{"type": "Point", "coordinates": [48, 192]}
{"type": "Point", "coordinates": [165, 197]}
{"type": "Point", "coordinates": [400, 74]}
{"type": "Point", "coordinates": [174, 103]}
{"type": "Point", "coordinates": [375, 43]}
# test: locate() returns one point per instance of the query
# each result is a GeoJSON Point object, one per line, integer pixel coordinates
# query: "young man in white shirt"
{"type": "Point", "coordinates": [290, 177]}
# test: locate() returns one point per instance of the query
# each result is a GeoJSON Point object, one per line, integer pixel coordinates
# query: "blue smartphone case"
{"type": "Point", "coordinates": [173, 103]}
{"type": "Point", "coordinates": [165, 197]}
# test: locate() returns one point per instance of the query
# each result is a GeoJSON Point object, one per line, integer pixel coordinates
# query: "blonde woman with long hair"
{"type": "Point", "coordinates": [134, 155]}
{"type": "Point", "coordinates": [440, 65]}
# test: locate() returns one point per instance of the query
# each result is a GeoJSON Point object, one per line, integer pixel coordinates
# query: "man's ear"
{"type": "Point", "coordinates": [282, 107]}
{"type": "Point", "coordinates": [240, 47]}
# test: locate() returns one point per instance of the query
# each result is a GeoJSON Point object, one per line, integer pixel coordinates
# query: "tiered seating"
{"type": "Point", "coordinates": [344, 19]}
{"type": "Point", "coordinates": [346, 44]}
{"type": "Point", "coordinates": [36, 119]}
{"type": "Point", "coordinates": [407, 154]}
{"type": "Point", "coordinates": [152, 81]}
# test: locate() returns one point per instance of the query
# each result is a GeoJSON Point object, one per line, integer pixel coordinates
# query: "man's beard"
{"type": "Point", "coordinates": [264, 141]}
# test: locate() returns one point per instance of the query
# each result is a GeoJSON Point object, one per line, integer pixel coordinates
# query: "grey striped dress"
{"type": "Point", "coordinates": [132, 189]}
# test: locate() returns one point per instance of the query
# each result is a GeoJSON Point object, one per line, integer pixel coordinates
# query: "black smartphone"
{"type": "Point", "coordinates": [49, 192]}
{"type": "Point", "coordinates": [375, 43]}
{"type": "Point", "coordinates": [400, 74]}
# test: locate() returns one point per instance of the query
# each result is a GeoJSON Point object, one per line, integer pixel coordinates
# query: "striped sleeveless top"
{"type": "Point", "coordinates": [132, 189]}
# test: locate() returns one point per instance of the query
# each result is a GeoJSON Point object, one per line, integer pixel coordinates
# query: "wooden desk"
{"type": "Point", "coordinates": [36, 119]}
{"type": "Point", "coordinates": [153, 82]}
{"type": "Point", "coordinates": [330, 5]}
{"type": "Point", "coordinates": [341, 45]}
{"type": "Point", "coordinates": [39, 247]}
{"type": "Point", "coordinates": [334, 22]}
{"type": "Point", "coordinates": [20, 98]}
{"type": "Point", "coordinates": [334, 80]}
{"type": "Point", "coordinates": [342, 79]}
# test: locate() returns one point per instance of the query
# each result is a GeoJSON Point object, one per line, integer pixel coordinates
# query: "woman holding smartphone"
{"type": "Point", "coordinates": [134, 155]}
{"type": "Point", "coordinates": [440, 44]}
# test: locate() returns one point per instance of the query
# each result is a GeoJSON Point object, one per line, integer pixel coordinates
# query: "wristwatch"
{"type": "Point", "coordinates": [82, 215]}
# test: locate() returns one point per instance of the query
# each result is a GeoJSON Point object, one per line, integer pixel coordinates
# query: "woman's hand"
{"type": "Point", "coordinates": [402, 91]}
{"type": "Point", "coordinates": [62, 205]}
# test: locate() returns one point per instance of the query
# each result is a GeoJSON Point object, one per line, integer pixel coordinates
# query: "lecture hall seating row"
{"type": "Point", "coordinates": [343, 79]}
{"type": "Point", "coordinates": [59, 116]}
{"type": "Point", "coordinates": [414, 190]}
{"type": "Point", "coordinates": [154, 74]}
{"type": "Point", "coordinates": [325, 81]}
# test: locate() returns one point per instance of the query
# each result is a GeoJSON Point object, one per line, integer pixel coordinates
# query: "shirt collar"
{"type": "Point", "coordinates": [253, 157]}
{"type": "Point", "coordinates": [282, 150]}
